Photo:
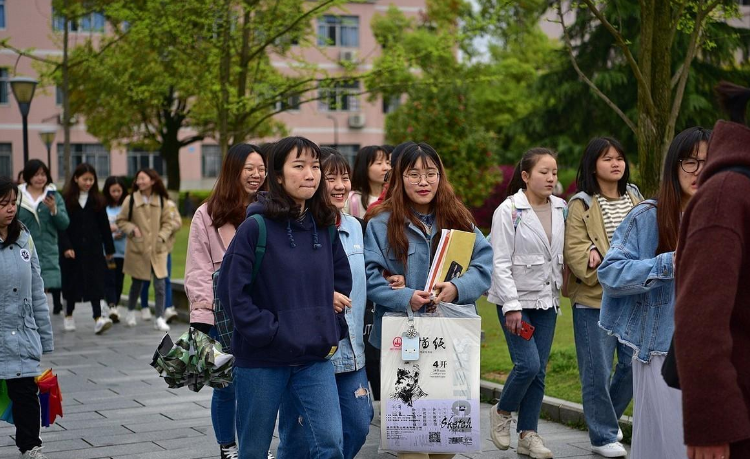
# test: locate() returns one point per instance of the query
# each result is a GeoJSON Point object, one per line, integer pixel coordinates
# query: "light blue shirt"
{"type": "Point", "coordinates": [350, 355]}
{"type": "Point", "coordinates": [112, 213]}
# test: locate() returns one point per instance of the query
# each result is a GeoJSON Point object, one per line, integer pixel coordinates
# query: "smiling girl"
{"type": "Point", "coordinates": [527, 235]}
{"type": "Point", "coordinates": [370, 167]}
{"type": "Point", "coordinates": [84, 266]}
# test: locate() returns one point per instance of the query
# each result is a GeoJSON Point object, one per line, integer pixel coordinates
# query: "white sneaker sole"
{"type": "Point", "coordinates": [104, 328]}
{"type": "Point", "coordinates": [527, 452]}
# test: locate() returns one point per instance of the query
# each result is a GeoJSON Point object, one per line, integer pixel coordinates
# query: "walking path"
{"type": "Point", "coordinates": [116, 406]}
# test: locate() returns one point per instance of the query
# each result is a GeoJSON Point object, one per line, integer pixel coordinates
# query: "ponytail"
{"type": "Point", "coordinates": [527, 162]}
{"type": "Point", "coordinates": [733, 99]}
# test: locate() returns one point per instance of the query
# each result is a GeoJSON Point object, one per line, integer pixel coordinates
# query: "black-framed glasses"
{"type": "Point", "coordinates": [259, 170]}
{"type": "Point", "coordinates": [415, 177]}
{"type": "Point", "coordinates": [692, 165]}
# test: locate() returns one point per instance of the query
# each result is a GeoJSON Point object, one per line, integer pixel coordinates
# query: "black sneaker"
{"type": "Point", "coordinates": [229, 451]}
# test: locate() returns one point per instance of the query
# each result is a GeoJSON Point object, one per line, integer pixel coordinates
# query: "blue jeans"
{"type": "Point", "coordinates": [356, 414]}
{"type": "Point", "coordinates": [223, 408]}
{"type": "Point", "coordinates": [605, 395]}
{"type": "Point", "coordinates": [311, 389]}
{"type": "Point", "coordinates": [524, 389]}
{"type": "Point", "coordinates": [167, 287]}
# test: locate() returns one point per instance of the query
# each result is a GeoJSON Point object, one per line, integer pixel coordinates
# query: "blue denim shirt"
{"type": "Point", "coordinates": [350, 355]}
{"type": "Point", "coordinates": [638, 299]}
{"type": "Point", "coordinates": [379, 256]}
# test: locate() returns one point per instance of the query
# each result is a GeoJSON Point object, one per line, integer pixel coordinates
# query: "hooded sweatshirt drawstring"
{"type": "Point", "coordinates": [316, 243]}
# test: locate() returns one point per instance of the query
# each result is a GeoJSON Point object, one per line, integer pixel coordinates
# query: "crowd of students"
{"type": "Point", "coordinates": [297, 246]}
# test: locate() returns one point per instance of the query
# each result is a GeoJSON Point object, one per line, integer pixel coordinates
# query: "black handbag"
{"type": "Point", "coordinates": [669, 369]}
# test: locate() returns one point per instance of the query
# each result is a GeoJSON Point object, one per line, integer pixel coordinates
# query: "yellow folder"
{"type": "Point", "coordinates": [452, 257]}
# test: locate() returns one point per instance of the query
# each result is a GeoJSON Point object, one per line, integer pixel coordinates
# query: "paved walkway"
{"type": "Point", "coordinates": [116, 406]}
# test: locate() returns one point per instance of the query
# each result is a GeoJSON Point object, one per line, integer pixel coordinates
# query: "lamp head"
{"type": "Point", "coordinates": [23, 90]}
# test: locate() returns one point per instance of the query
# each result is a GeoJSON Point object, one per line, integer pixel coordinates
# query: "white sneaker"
{"type": "Point", "coordinates": [146, 314]}
{"type": "Point", "coordinates": [533, 445]}
{"type": "Point", "coordinates": [114, 314]}
{"type": "Point", "coordinates": [610, 450]}
{"type": "Point", "coordinates": [70, 323]}
{"type": "Point", "coordinates": [170, 314]}
{"type": "Point", "coordinates": [619, 434]}
{"type": "Point", "coordinates": [161, 324]}
{"type": "Point", "coordinates": [500, 428]}
{"type": "Point", "coordinates": [102, 324]}
{"type": "Point", "coordinates": [34, 453]}
{"type": "Point", "coordinates": [130, 319]}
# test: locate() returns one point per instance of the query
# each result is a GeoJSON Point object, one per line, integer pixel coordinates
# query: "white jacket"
{"type": "Point", "coordinates": [526, 268]}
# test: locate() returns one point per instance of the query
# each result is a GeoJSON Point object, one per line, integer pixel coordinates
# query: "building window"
{"type": "Point", "coordinates": [347, 151]}
{"type": "Point", "coordinates": [91, 22]}
{"type": "Point", "coordinates": [390, 104]}
{"type": "Point", "coordinates": [340, 98]}
{"type": "Point", "coordinates": [290, 104]}
{"type": "Point", "coordinates": [338, 31]}
{"type": "Point", "coordinates": [58, 95]}
{"type": "Point", "coordinates": [210, 160]}
{"type": "Point", "coordinates": [2, 14]}
{"type": "Point", "coordinates": [4, 86]}
{"type": "Point", "coordinates": [142, 159]}
{"type": "Point", "coordinates": [6, 160]}
{"type": "Point", "coordinates": [92, 153]}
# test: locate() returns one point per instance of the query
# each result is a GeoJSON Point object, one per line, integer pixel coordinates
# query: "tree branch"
{"type": "Point", "coordinates": [583, 76]}
{"type": "Point", "coordinates": [625, 49]}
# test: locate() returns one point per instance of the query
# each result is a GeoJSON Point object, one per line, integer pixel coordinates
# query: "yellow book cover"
{"type": "Point", "coordinates": [455, 257]}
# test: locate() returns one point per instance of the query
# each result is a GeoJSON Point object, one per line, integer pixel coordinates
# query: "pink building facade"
{"type": "Point", "coordinates": [339, 119]}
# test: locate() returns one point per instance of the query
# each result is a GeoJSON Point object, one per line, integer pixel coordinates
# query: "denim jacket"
{"type": "Point", "coordinates": [350, 355]}
{"type": "Point", "coordinates": [638, 300]}
{"type": "Point", "coordinates": [379, 256]}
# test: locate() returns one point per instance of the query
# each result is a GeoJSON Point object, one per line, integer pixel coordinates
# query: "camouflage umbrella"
{"type": "Point", "coordinates": [194, 360]}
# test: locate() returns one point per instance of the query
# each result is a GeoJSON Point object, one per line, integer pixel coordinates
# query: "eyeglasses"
{"type": "Point", "coordinates": [260, 170]}
{"type": "Point", "coordinates": [692, 165]}
{"type": "Point", "coordinates": [415, 177]}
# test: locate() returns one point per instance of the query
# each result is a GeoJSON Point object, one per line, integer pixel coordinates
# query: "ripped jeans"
{"type": "Point", "coordinates": [356, 414]}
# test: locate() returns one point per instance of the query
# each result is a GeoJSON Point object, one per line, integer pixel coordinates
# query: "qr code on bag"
{"type": "Point", "coordinates": [434, 437]}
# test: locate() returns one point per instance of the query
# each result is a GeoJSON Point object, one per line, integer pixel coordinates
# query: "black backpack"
{"type": "Point", "coordinates": [669, 369]}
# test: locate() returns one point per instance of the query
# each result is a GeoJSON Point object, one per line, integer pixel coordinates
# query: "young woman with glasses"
{"type": "Point", "coordinates": [527, 235]}
{"type": "Point", "coordinates": [603, 200]}
{"type": "Point", "coordinates": [637, 276]}
{"type": "Point", "coordinates": [401, 233]}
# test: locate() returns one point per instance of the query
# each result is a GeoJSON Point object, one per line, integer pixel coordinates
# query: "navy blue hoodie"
{"type": "Point", "coordinates": [286, 317]}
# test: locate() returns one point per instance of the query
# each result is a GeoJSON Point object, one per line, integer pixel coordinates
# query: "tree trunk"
{"type": "Point", "coordinates": [224, 80]}
{"type": "Point", "coordinates": [170, 152]}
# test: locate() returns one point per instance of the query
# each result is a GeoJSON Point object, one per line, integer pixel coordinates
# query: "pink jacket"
{"type": "Point", "coordinates": [205, 251]}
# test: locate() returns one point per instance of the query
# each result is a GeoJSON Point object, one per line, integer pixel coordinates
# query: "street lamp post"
{"type": "Point", "coordinates": [23, 91]}
{"type": "Point", "coordinates": [335, 130]}
{"type": "Point", "coordinates": [48, 136]}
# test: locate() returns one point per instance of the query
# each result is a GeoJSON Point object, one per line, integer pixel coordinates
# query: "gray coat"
{"type": "Point", "coordinates": [25, 327]}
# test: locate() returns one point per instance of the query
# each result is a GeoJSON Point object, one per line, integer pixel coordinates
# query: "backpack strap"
{"type": "Point", "coordinates": [260, 246]}
{"type": "Point", "coordinates": [332, 231]}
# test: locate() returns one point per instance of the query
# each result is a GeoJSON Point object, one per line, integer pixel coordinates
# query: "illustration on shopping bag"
{"type": "Point", "coordinates": [407, 386]}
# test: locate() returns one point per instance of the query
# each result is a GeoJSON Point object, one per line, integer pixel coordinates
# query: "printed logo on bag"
{"type": "Point", "coordinates": [25, 255]}
{"type": "Point", "coordinates": [396, 343]}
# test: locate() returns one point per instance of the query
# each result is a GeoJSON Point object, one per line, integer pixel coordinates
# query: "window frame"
{"type": "Point", "coordinates": [344, 101]}
{"type": "Point", "coordinates": [153, 157]}
{"type": "Point", "coordinates": [213, 152]}
{"type": "Point", "coordinates": [333, 30]}
{"type": "Point", "coordinates": [9, 154]}
{"type": "Point", "coordinates": [92, 153]}
{"type": "Point", "coordinates": [3, 15]}
{"type": "Point", "coordinates": [4, 86]}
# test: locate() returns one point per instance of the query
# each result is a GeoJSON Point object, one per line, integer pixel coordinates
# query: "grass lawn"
{"type": "Point", "coordinates": [562, 372]}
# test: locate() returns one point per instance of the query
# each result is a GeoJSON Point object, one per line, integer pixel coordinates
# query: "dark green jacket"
{"type": "Point", "coordinates": [43, 227]}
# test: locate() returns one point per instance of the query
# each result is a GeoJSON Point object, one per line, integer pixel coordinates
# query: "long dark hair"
{"type": "Point", "coordinates": [334, 162]}
{"type": "Point", "coordinates": [157, 188]}
{"type": "Point", "coordinates": [450, 213]}
{"type": "Point", "coordinates": [8, 192]}
{"type": "Point", "coordinates": [280, 205]}
{"type": "Point", "coordinates": [526, 164]}
{"type": "Point", "coordinates": [108, 199]}
{"type": "Point", "coordinates": [669, 197]}
{"type": "Point", "coordinates": [32, 167]}
{"type": "Point", "coordinates": [366, 156]}
{"type": "Point", "coordinates": [586, 180]}
{"type": "Point", "coordinates": [733, 99]}
{"type": "Point", "coordinates": [72, 190]}
{"type": "Point", "coordinates": [227, 202]}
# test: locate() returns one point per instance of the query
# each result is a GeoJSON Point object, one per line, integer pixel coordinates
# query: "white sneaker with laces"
{"type": "Point", "coordinates": [610, 450]}
{"type": "Point", "coordinates": [619, 434]}
{"type": "Point", "coordinates": [69, 323]}
{"type": "Point", "coordinates": [533, 445]}
{"type": "Point", "coordinates": [130, 319]}
{"type": "Point", "coordinates": [114, 314]}
{"type": "Point", "coordinates": [229, 451]}
{"type": "Point", "coordinates": [34, 453]}
{"type": "Point", "coordinates": [146, 314]}
{"type": "Point", "coordinates": [102, 324]}
{"type": "Point", "coordinates": [170, 314]}
{"type": "Point", "coordinates": [500, 428]}
{"type": "Point", "coordinates": [161, 324]}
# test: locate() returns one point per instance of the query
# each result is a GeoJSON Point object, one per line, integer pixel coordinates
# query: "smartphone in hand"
{"type": "Point", "coordinates": [50, 193]}
{"type": "Point", "coordinates": [527, 330]}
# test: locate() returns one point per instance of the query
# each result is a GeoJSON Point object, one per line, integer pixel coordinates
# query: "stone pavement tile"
{"type": "Point", "coordinates": [104, 422]}
{"type": "Point", "coordinates": [96, 438]}
{"type": "Point", "coordinates": [172, 411]}
{"type": "Point", "coordinates": [51, 436]}
{"type": "Point", "coordinates": [138, 426]}
{"type": "Point", "coordinates": [102, 405]}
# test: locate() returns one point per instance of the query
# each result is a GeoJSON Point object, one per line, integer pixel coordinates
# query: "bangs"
{"type": "Point", "coordinates": [379, 155]}
{"type": "Point", "coordinates": [336, 164]}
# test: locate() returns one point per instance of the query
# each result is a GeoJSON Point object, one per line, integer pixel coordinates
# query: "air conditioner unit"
{"type": "Point", "coordinates": [348, 55]}
{"type": "Point", "coordinates": [357, 120]}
